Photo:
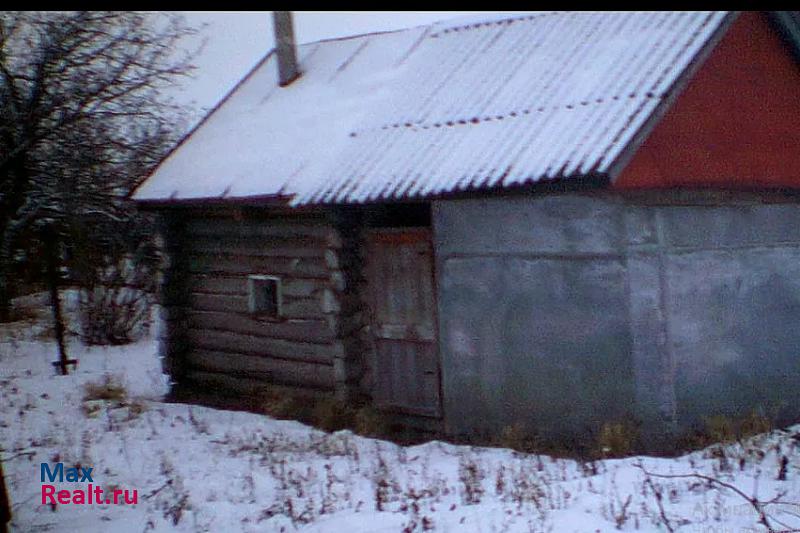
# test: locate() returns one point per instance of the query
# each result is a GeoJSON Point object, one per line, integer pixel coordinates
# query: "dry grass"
{"type": "Point", "coordinates": [330, 414]}
{"type": "Point", "coordinates": [283, 406]}
{"type": "Point", "coordinates": [108, 389]}
{"type": "Point", "coordinates": [617, 439]}
{"type": "Point", "coordinates": [370, 422]}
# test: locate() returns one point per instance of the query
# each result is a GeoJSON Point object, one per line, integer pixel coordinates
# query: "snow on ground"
{"type": "Point", "coordinates": [201, 469]}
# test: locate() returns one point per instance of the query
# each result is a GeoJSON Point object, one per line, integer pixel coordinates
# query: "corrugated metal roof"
{"type": "Point", "coordinates": [425, 111]}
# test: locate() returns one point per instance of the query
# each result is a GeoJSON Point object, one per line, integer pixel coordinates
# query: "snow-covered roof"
{"type": "Point", "coordinates": [490, 102]}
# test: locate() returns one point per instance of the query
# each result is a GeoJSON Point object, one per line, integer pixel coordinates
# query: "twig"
{"type": "Point", "coordinates": [156, 491]}
{"type": "Point", "coordinates": [659, 496]}
{"type": "Point", "coordinates": [20, 454]}
{"type": "Point", "coordinates": [757, 504]}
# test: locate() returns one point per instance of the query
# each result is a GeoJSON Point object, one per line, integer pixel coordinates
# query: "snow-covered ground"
{"type": "Point", "coordinates": [201, 469]}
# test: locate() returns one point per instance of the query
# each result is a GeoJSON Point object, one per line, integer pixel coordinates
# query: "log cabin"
{"type": "Point", "coordinates": [558, 221]}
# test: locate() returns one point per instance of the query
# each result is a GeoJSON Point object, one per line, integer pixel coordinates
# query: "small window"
{"type": "Point", "coordinates": [264, 295]}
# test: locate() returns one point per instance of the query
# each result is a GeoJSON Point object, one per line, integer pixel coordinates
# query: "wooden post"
{"type": "Point", "coordinates": [174, 299]}
{"type": "Point", "coordinates": [51, 249]}
{"type": "Point", "coordinates": [5, 503]}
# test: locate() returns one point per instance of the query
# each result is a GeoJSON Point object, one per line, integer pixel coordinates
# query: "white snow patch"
{"type": "Point", "coordinates": [201, 469]}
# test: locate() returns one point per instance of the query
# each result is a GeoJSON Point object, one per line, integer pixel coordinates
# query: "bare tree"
{"type": "Point", "coordinates": [83, 117]}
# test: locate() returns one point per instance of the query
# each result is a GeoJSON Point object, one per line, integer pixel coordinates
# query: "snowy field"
{"type": "Point", "coordinates": [201, 469]}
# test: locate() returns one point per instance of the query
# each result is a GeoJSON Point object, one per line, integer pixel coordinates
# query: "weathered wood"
{"type": "Point", "coordinates": [322, 318]}
{"type": "Point", "coordinates": [231, 264]}
{"type": "Point", "coordinates": [343, 326]}
{"type": "Point", "coordinates": [346, 372]}
{"type": "Point", "coordinates": [343, 304]}
{"type": "Point", "coordinates": [241, 386]}
{"type": "Point", "coordinates": [287, 227]}
{"type": "Point", "coordinates": [254, 367]}
{"type": "Point", "coordinates": [431, 425]}
{"type": "Point", "coordinates": [307, 330]}
{"type": "Point", "coordinates": [405, 365]}
{"type": "Point", "coordinates": [220, 284]}
{"type": "Point", "coordinates": [256, 248]}
{"type": "Point", "coordinates": [234, 303]}
{"type": "Point", "coordinates": [170, 313]}
{"type": "Point", "coordinates": [172, 329]}
{"type": "Point", "coordinates": [264, 346]}
{"type": "Point", "coordinates": [173, 295]}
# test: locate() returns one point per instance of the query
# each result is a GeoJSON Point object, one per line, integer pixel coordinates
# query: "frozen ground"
{"type": "Point", "coordinates": [201, 469]}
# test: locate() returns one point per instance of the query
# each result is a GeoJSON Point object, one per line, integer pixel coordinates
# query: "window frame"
{"type": "Point", "coordinates": [255, 283]}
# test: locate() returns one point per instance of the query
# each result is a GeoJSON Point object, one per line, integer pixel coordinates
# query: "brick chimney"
{"type": "Point", "coordinates": [285, 47]}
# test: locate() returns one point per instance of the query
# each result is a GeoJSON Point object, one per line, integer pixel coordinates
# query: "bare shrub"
{"type": "Point", "coordinates": [115, 302]}
{"type": "Point", "coordinates": [526, 486]}
{"type": "Point", "coordinates": [386, 486]}
{"type": "Point", "coordinates": [762, 508]}
{"type": "Point", "coordinates": [417, 521]}
{"type": "Point", "coordinates": [172, 498]}
{"type": "Point", "coordinates": [620, 512]}
{"type": "Point", "coordinates": [471, 477]}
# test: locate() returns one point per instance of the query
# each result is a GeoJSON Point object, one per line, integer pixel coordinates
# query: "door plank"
{"type": "Point", "coordinates": [401, 294]}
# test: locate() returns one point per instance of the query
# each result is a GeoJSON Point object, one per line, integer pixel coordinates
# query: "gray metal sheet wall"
{"type": "Point", "coordinates": [564, 311]}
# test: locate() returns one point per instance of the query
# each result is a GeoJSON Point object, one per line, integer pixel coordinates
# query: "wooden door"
{"type": "Point", "coordinates": [401, 288]}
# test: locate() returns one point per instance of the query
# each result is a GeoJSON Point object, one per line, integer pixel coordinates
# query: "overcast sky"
{"type": "Point", "coordinates": [237, 40]}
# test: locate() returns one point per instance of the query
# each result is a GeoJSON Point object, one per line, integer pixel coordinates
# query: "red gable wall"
{"type": "Point", "coordinates": [735, 125]}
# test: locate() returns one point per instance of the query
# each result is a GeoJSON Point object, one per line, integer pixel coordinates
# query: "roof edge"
{"type": "Point", "coordinates": [787, 23]}
{"type": "Point", "coordinates": [616, 168]}
{"type": "Point", "coordinates": [213, 201]}
{"type": "Point", "coordinates": [197, 126]}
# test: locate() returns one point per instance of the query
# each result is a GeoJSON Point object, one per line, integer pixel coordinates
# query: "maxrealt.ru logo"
{"type": "Point", "coordinates": [82, 496]}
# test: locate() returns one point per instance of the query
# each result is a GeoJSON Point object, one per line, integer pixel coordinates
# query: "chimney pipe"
{"type": "Point", "coordinates": [285, 47]}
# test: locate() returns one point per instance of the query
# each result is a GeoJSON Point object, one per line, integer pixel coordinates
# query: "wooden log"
{"type": "Point", "coordinates": [424, 424]}
{"type": "Point", "coordinates": [221, 284]}
{"type": "Point", "coordinates": [263, 368]}
{"type": "Point", "coordinates": [342, 326]}
{"type": "Point", "coordinates": [238, 343]}
{"type": "Point", "coordinates": [342, 304]}
{"type": "Point", "coordinates": [300, 308]}
{"type": "Point", "coordinates": [172, 329]}
{"type": "Point", "coordinates": [256, 248]}
{"type": "Point", "coordinates": [241, 386]}
{"type": "Point", "coordinates": [173, 295]}
{"type": "Point", "coordinates": [305, 330]}
{"type": "Point", "coordinates": [286, 227]}
{"type": "Point", "coordinates": [170, 313]}
{"type": "Point", "coordinates": [283, 266]}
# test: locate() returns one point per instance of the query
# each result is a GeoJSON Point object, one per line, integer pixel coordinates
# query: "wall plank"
{"type": "Point", "coordinates": [255, 247]}
{"type": "Point", "coordinates": [304, 308]}
{"type": "Point", "coordinates": [287, 227]}
{"type": "Point", "coordinates": [264, 346]}
{"type": "Point", "coordinates": [307, 330]}
{"type": "Point", "coordinates": [241, 386]}
{"type": "Point", "coordinates": [242, 264]}
{"type": "Point", "coordinates": [274, 370]}
{"type": "Point", "coordinates": [237, 284]}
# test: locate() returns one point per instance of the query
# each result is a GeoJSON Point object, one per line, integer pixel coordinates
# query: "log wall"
{"type": "Point", "coordinates": [212, 341]}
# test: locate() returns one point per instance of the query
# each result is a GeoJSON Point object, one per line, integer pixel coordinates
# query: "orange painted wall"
{"type": "Point", "coordinates": [736, 125]}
